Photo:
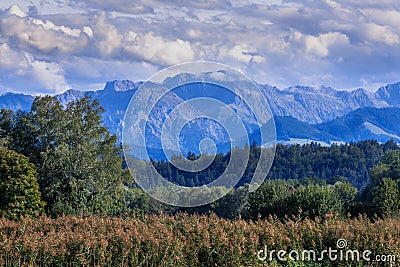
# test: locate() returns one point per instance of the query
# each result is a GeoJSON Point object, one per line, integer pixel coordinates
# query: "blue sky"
{"type": "Point", "coordinates": [51, 46]}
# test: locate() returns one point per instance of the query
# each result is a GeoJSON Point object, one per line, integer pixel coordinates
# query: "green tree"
{"type": "Point", "coordinates": [381, 196]}
{"type": "Point", "coordinates": [6, 124]}
{"type": "Point", "coordinates": [386, 197]}
{"type": "Point", "coordinates": [389, 167]}
{"type": "Point", "coordinates": [20, 134]}
{"type": "Point", "coordinates": [314, 200]}
{"type": "Point", "coordinates": [82, 164]}
{"type": "Point", "coordinates": [346, 192]}
{"type": "Point", "coordinates": [268, 199]}
{"type": "Point", "coordinates": [233, 204]}
{"type": "Point", "coordinates": [20, 195]}
{"type": "Point", "coordinates": [78, 160]}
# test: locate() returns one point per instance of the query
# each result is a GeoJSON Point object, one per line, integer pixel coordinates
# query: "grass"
{"type": "Point", "coordinates": [185, 240]}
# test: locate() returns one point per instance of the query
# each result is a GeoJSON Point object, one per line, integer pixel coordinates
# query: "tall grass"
{"type": "Point", "coordinates": [182, 240]}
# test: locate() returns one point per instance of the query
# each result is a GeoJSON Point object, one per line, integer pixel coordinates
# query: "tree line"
{"type": "Point", "coordinates": [352, 162]}
{"type": "Point", "coordinates": [57, 159]}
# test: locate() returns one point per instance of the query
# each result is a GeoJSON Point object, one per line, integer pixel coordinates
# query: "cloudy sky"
{"type": "Point", "coordinates": [49, 46]}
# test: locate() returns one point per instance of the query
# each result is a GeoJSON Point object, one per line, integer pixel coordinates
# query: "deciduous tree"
{"type": "Point", "coordinates": [20, 195]}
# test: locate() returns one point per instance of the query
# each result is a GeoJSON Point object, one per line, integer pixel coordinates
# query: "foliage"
{"type": "Point", "coordinates": [389, 167]}
{"type": "Point", "coordinates": [387, 198]}
{"type": "Point", "coordinates": [300, 198]}
{"type": "Point", "coordinates": [78, 160]}
{"type": "Point", "coordinates": [20, 195]}
{"type": "Point", "coordinates": [352, 162]}
{"type": "Point", "coordinates": [346, 193]}
{"type": "Point", "coordinates": [382, 194]}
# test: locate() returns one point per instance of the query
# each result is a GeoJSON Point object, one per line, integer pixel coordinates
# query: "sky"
{"type": "Point", "coordinates": [50, 46]}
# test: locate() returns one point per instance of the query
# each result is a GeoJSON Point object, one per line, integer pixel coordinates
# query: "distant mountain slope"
{"type": "Point", "coordinates": [316, 105]}
{"type": "Point", "coordinates": [301, 112]}
{"type": "Point", "coordinates": [288, 128]}
{"type": "Point", "coordinates": [367, 123]}
{"type": "Point", "coordinates": [16, 101]}
{"type": "Point", "coordinates": [306, 104]}
{"type": "Point", "coordinates": [389, 94]}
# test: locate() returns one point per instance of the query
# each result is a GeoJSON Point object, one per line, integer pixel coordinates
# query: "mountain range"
{"type": "Point", "coordinates": [302, 113]}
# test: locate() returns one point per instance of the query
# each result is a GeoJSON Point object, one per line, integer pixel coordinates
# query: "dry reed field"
{"type": "Point", "coordinates": [185, 240]}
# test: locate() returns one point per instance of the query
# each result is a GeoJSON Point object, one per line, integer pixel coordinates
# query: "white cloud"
{"type": "Point", "coordinates": [11, 59]}
{"type": "Point", "coordinates": [195, 34]}
{"type": "Point", "coordinates": [157, 50]}
{"type": "Point", "coordinates": [319, 45]}
{"type": "Point", "coordinates": [332, 3]}
{"type": "Point", "coordinates": [241, 53]}
{"type": "Point", "coordinates": [381, 34]}
{"type": "Point", "coordinates": [50, 26]}
{"type": "Point", "coordinates": [88, 31]}
{"type": "Point", "coordinates": [106, 35]}
{"type": "Point", "coordinates": [15, 10]}
{"type": "Point", "coordinates": [383, 17]}
{"type": "Point", "coordinates": [336, 42]}
{"type": "Point", "coordinates": [50, 75]}
{"type": "Point", "coordinates": [24, 68]}
{"type": "Point", "coordinates": [44, 36]}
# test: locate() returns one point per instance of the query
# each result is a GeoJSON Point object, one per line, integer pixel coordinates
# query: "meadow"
{"type": "Point", "coordinates": [188, 240]}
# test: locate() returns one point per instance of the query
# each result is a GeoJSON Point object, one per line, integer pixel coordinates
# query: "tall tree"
{"type": "Point", "coordinates": [389, 167]}
{"type": "Point", "coordinates": [386, 197]}
{"type": "Point", "coordinates": [78, 160]}
{"type": "Point", "coordinates": [20, 195]}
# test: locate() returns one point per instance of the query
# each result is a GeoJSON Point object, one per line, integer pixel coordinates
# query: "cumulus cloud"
{"type": "Point", "coordinates": [15, 10]}
{"type": "Point", "coordinates": [241, 53]}
{"type": "Point", "coordinates": [43, 36]}
{"type": "Point", "coordinates": [384, 34]}
{"type": "Point", "coordinates": [43, 76]}
{"type": "Point", "coordinates": [319, 45]}
{"type": "Point", "coordinates": [333, 42]}
{"type": "Point", "coordinates": [11, 59]}
{"type": "Point", "coordinates": [156, 50]}
{"type": "Point", "coordinates": [106, 36]}
{"type": "Point", "coordinates": [49, 74]}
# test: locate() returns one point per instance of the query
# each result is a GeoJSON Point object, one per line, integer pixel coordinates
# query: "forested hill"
{"type": "Point", "coordinates": [346, 162]}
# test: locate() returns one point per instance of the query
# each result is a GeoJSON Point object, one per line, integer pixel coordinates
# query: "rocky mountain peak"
{"type": "Point", "coordinates": [121, 86]}
{"type": "Point", "coordinates": [390, 93]}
